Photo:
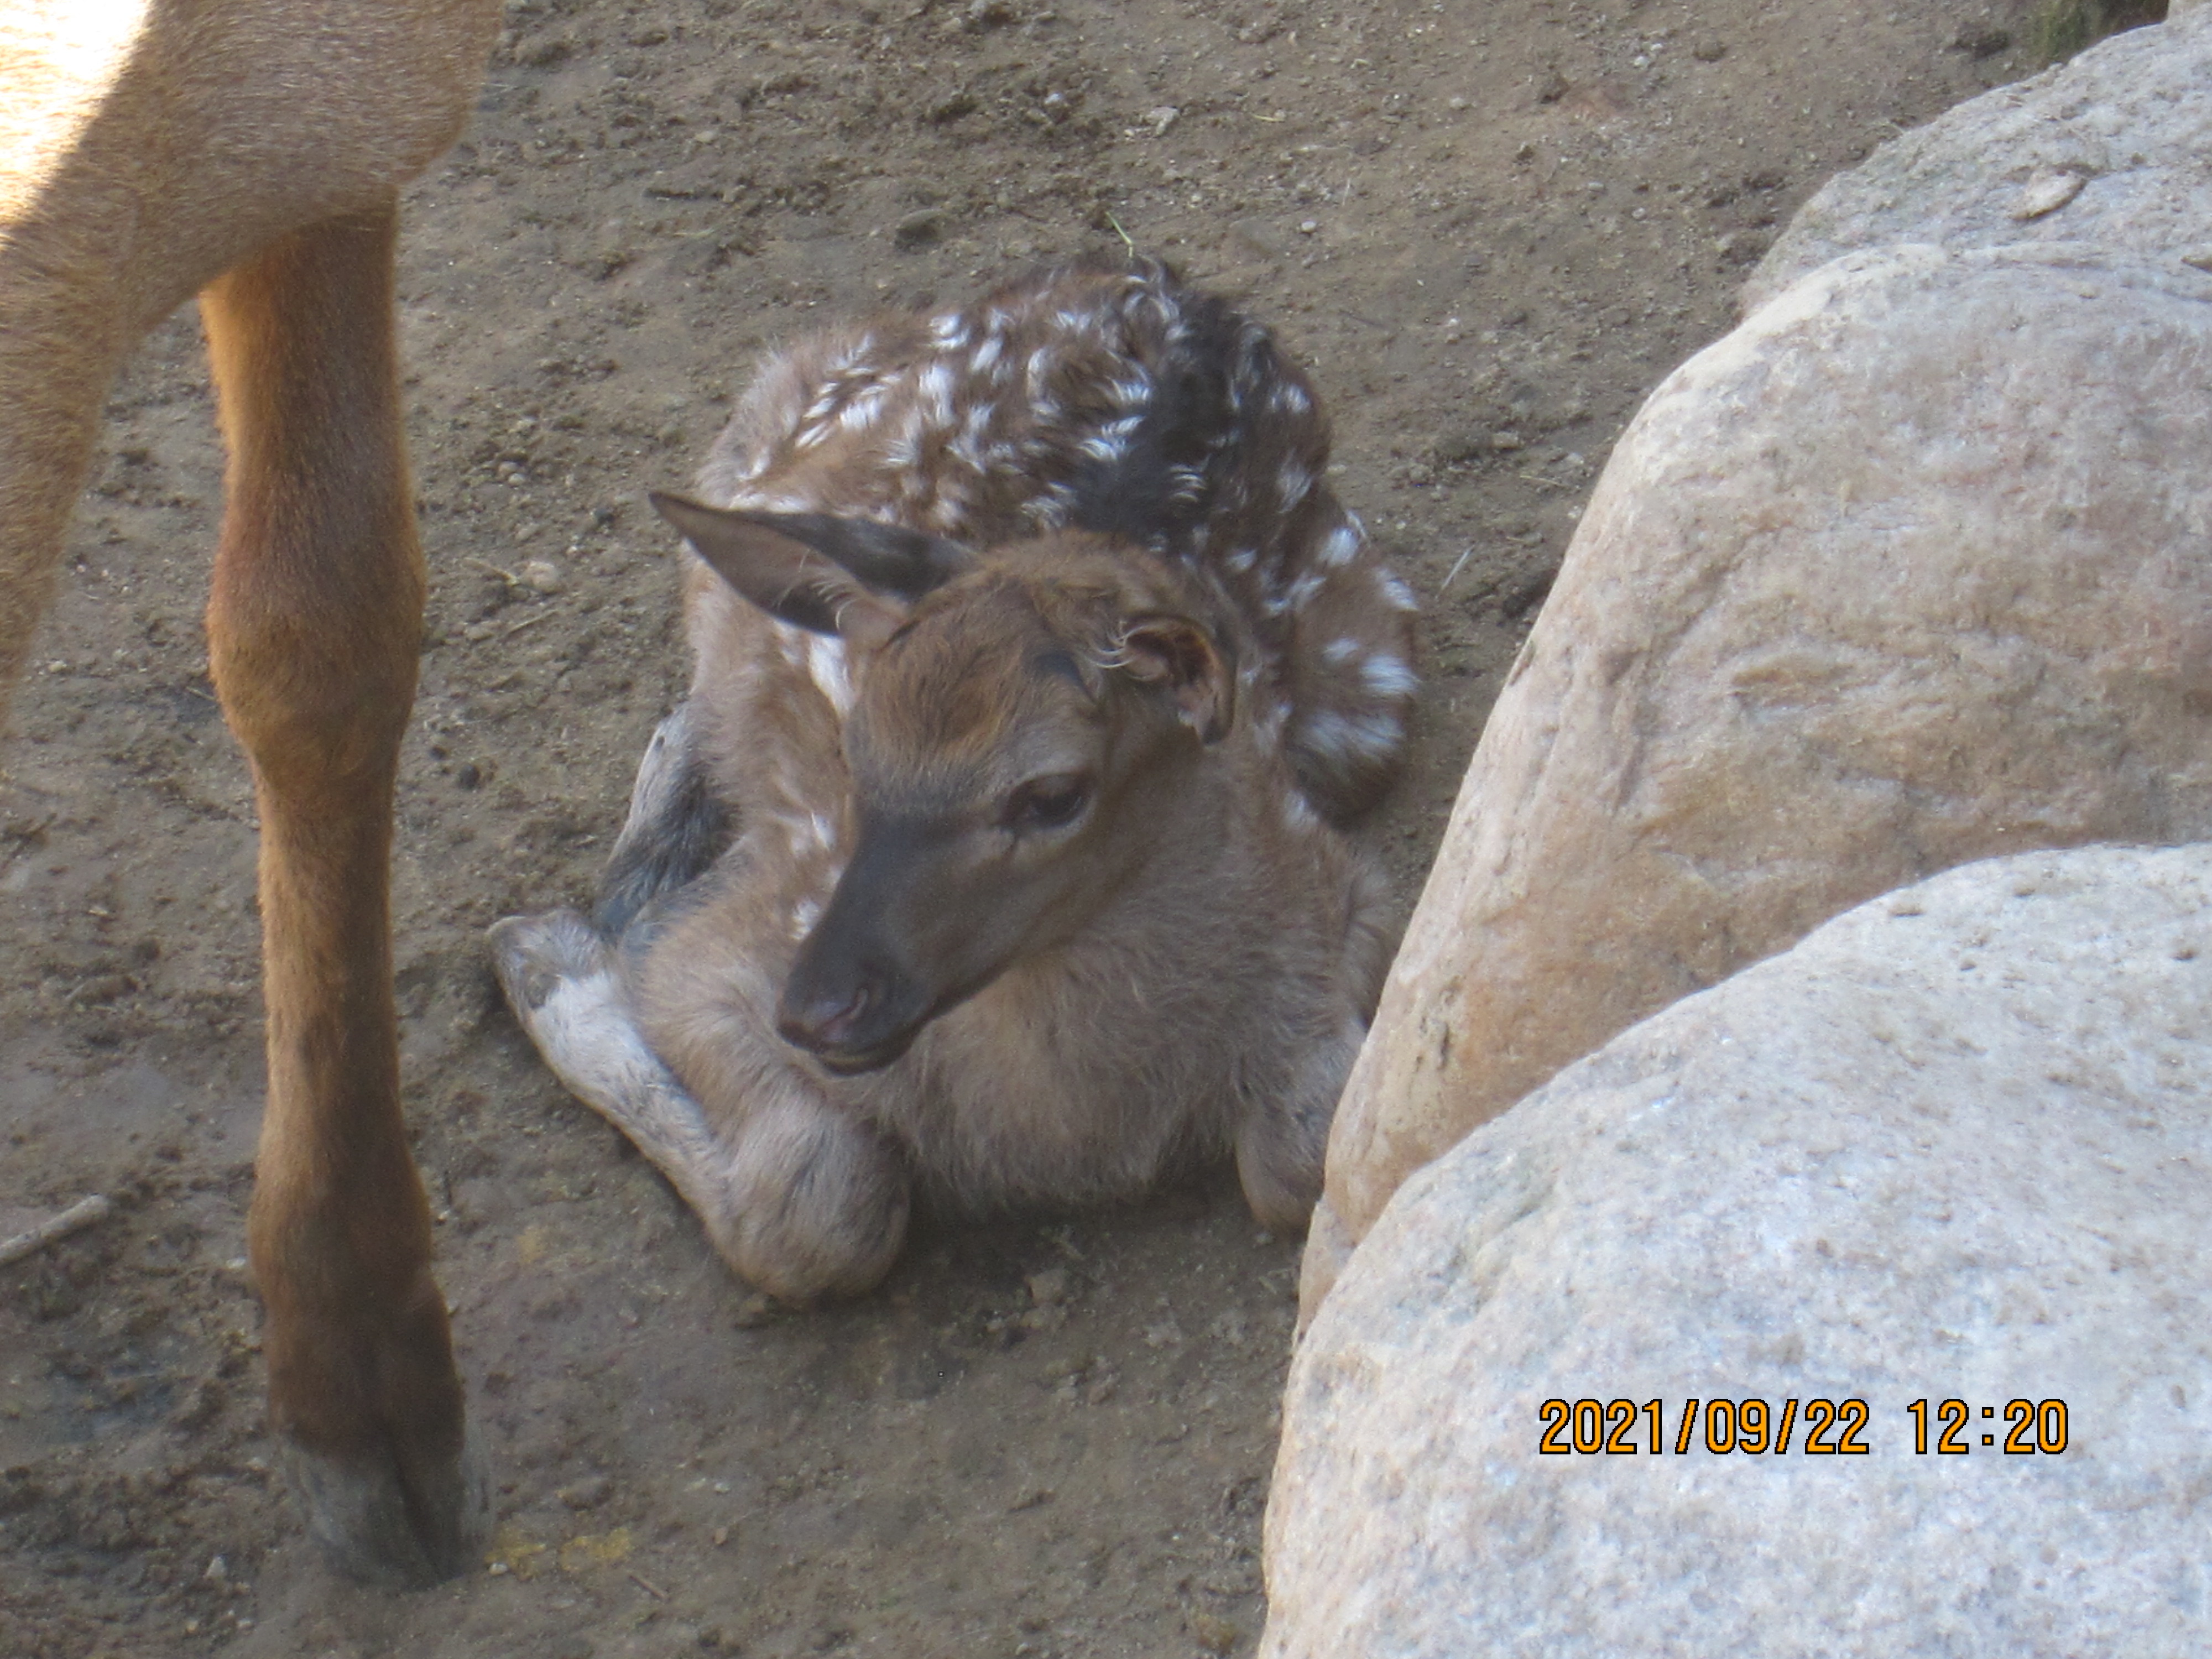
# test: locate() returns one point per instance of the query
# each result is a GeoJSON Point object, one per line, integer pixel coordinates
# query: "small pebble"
{"type": "Point", "coordinates": [2046, 193]}
{"type": "Point", "coordinates": [1215, 1635]}
{"type": "Point", "coordinates": [919, 230]}
{"type": "Point", "coordinates": [753, 1312]}
{"type": "Point", "coordinates": [585, 1494]}
{"type": "Point", "coordinates": [543, 576]}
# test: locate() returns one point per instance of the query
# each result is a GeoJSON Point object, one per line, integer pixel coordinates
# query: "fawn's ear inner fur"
{"type": "Point", "coordinates": [1196, 669]}
{"type": "Point", "coordinates": [815, 570]}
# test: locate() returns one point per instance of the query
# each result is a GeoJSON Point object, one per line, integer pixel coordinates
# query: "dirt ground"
{"type": "Point", "coordinates": [1488, 229]}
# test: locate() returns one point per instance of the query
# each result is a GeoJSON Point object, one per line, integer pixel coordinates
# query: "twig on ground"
{"type": "Point", "coordinates": [85, 1212]}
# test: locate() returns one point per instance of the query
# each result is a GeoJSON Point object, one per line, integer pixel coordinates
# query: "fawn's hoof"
{"type": "Point", "coordinates": [533, 955]}
{"type": "Point", "coordinates": [387, 1518]}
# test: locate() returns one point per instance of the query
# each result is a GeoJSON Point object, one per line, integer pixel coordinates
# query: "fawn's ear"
{"type": "Point", "coordinates": [1184, 658]}
{"type": "Point", "coordinates": [851, 577]}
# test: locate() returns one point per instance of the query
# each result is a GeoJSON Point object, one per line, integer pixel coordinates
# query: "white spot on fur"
{"type": "Point", "coordinates": [1340, 547]}
{"type": "Point", "coordinates": [804, 916]}
{"type": "Point", "coordinates": [1304, 590]}
{"type": "Point", "coordinates": [767, 501]}
{"type": "Point", "coordinates": [1134, 392]}
{"type": "Point", "coordinates": [1337, 653]}
{"type": "Point", "coordinates": [1296, 813]}
{"type": "Point", "coordinates": [1292, 400]}
{"type": "Point", "coordinates": [1387, 676]}
{"type": "Point", "coordinates": [1103, 446]}
{"type": "Point", "coordinates": [864, 409]}
{"type": "Point", "coordinates": [985, 356]}
{"type": "Point", "coordinates": [825, 667]}
{"type": "Point", "coordinates": [1241, 559]}
{"type": "Point", "coordinates": [935, 391]}
{"type": "Point", "coordinates": [949, 331]}
{"type": "Point", "coordinates": [1291, 484]}
{"type": "Point", "coordinates": [1400, 596]}
{"type": "Point", "coordinates": [1335, 734]}
{"type": "Point", "coordinates": [1050, 508]}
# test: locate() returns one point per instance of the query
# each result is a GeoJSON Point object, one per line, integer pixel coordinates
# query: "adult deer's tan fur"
{"type": "Point", "coordinates": [1035, 660]}
{"type": "Point", "coordinates": [251, 151]}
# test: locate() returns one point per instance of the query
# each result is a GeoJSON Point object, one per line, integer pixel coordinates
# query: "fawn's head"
{"type": "Point", "coordinates": [1022, 732]}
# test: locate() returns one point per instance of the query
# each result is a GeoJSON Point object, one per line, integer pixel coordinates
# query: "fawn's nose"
{"type": "Point", "coordinates": [826, 1021]}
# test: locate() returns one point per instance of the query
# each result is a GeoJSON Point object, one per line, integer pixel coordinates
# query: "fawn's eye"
{"type": "Point", "coordinates": [1047, 803]}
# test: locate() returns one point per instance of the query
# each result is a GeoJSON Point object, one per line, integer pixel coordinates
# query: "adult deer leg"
{"type": "Point", "coordinates": [313, 631]}
{"type": "Point", "coordinates": [58, 351]}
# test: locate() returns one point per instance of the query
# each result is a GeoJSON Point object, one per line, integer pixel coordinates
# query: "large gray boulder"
{"type": "Point", "coordinates": [1914, 568]}
{"type": "Point", "coordinates": [2110, 151]}
{"type": "Point", "coordinates": [1955, 1144]}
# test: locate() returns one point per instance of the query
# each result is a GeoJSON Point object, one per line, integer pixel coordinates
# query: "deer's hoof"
{"type": "Point", "coordinates": [388, 1519]}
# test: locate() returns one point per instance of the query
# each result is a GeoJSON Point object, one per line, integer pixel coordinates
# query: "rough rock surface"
{"type": "Point", "coordinates": [1955, 1144]}
{"type": "Point", "coordinates": [2113, 149]}
{"type": "Point", "coordinates": [1909, 570]}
